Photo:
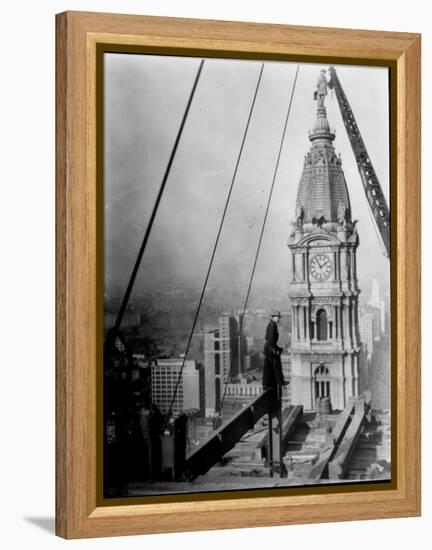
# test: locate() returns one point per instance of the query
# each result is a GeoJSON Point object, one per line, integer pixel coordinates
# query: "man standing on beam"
{"type": "Point", "coordinates": [273, 375]}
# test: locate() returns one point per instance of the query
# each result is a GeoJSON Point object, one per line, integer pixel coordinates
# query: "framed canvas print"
{"type": "Point", "coordinates": [238, 274]}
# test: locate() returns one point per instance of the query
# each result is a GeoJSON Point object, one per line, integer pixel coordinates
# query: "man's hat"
{"type": "Point", "coordinates": [276, 314]}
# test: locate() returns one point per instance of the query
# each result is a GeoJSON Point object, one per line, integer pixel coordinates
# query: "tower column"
{"type": "Point", "coordinates": [346, 327]}
{"type": "Point", "coordinates": [344, 266]}
{"type": "Point", "coordinates": [294, 322]}
{"type": "Point", "coordinates": [304, 324]}
{"type": "Point", "coordinates": [357, 321]}
{"type": "Point", "coordinates": [300, 323]}
{"type": "Point", "coordinates": [341, 319]}
{"type": "Point", "coordinates": [356, 375]}
{"type": "Point", "coordinates": [313, 327]}
{"type": "Point", "coordinates": [336, 327]}
{"type": "Point", "coordinates": [351, 323]}
{"type": "Point", "coordinates": [354, 268]}
{"type": "Point", "coordinates": [335, 270]}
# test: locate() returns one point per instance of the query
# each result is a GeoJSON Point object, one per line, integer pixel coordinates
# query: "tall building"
{"type": "Point", "coordinates": [376, 304]}
{"type": "Point", "coordinates": [377, 324]}
{"type": "Point", "coordinates": [164, 376]}
{"type": "Point", "coordinates": [221, 358]}
{"type": "Point", "coordinates": [367, 322]}
{"type": "Point", "coordinates": [325, 346]}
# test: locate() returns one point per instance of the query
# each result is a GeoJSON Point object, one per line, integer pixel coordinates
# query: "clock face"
{"type": "Point", "coordinates": [320, 267]}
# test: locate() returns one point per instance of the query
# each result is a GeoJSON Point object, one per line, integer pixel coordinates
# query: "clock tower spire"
{"type": "Point", "coordinates": [325, 343]}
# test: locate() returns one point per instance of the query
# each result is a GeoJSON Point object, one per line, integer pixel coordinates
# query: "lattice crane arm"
{"type": "Point", "coordinates": [374, 194]}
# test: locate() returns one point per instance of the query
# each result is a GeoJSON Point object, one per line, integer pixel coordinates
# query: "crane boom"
{"type": "Point", "coordinates": [374, 194]}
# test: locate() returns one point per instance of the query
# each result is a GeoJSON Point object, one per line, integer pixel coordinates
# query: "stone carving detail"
{"type": "Point", "coordinates": [318, 157]}
{"type": "Point", "coordinates": [320, 242]}
{"type": "Point", "coordinates": [342, 214]}
{"type": "Point", "coordinates": [353, 227]}
{"type": "Point", "coordinates": [343, 219]}
{"type": "Point", "coordinates": [330, 300]}
{"type": "Point", "coordinates": [344, 268]}
{"type": "Point", "coordinates": [300, 301]}
{"type": "Point", "coordinates": [335, 160]}
{"type": "Point", "coordinates": [319, 222]}
{"type": "Point", "coordinates": [299, 217]}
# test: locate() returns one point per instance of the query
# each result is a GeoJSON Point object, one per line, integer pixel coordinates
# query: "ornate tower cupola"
{"type": "Point", "coordinates": [325, 341]}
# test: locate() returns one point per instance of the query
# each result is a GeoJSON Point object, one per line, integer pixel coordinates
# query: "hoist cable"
{"type": "Point", "coordinates": [215, 246]}
{"type": "Point", "coordinates": [261, 235]}
{"type": "Point", "coordinates": [130, 285]}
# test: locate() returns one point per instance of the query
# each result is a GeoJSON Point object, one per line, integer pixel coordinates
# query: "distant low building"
{"type": "Point", "coordinates": [244, 390]}
{"type": "Point", "coordinates": [253, 360]}
{"type": "Point", "coordinates": [286, 370]}
{"type": "Point", "coordinates": [164, 378]}
{"type": "Point", "coordinates": [249, 343]}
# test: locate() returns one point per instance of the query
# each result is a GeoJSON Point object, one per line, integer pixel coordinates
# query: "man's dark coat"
{"type": "Point", "coordinates": [272, 374]}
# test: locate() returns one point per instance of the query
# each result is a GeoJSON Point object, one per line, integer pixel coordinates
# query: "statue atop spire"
{"type": "Point", "coordinates": [321, 90]}
{"type": "Point", "coordinates": [321, 130]}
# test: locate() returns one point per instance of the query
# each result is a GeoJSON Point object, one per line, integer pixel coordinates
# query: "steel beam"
{"type": "Point", "coordinates": [226, 436]}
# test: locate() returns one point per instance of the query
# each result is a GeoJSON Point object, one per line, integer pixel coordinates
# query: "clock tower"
{"type": "Point", "coordinates": [325, 343]}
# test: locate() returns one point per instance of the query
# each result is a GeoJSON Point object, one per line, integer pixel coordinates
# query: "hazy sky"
{"type": "Point", "coordinates": [145, 97]}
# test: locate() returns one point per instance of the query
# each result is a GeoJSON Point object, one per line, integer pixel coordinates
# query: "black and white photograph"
{"type": "Point", "coordinates": [247, 281]}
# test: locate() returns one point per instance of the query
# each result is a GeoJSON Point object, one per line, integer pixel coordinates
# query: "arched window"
{"type": "Point", "coordinates": [321, 324]}
{"type": "Point", "coordinates": [322, 382]}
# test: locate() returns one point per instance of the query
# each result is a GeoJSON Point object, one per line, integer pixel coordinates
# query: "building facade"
{"type": "Point", "coordinates": [244, 390]}
{"type": "Point", "coordinates": [367, 332]}
{"type": "Point", "coordinates": [378, 307]}
{"type": "Point", "coordinates": [287, 374]}
{"type": "Point", "coordinates": [222, 358]}
{"type": "Point", "coordinates": [325, 346]}
{"type": "Point", "coordinates": [164, 377]}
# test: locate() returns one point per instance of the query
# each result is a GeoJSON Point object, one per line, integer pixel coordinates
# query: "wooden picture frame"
{"type": "Point", "coordinates": [80, 36]}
